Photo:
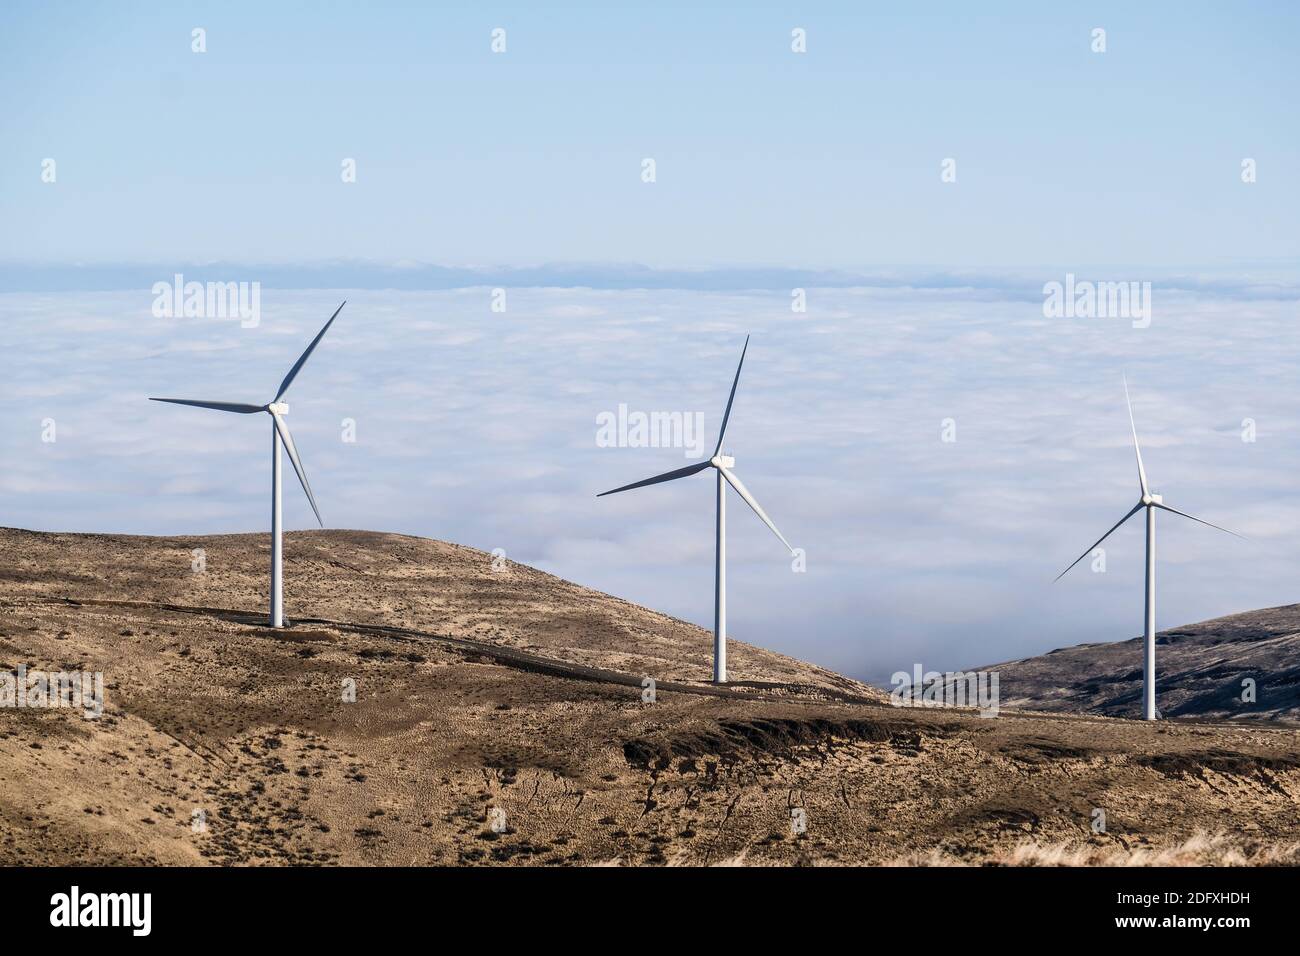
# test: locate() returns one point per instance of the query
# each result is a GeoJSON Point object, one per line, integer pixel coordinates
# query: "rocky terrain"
{"type": "Point", "coordinates": [424, 708]}
{"type": "Point", "coordinates": [1206, 670]}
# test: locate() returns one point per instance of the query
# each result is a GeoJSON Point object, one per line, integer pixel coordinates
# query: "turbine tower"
{"type": "Point", "coordinates": [723, 465]}
{"type": "Point", "coordinates": [1152, 503]}
{"type": "Point", "coordinates": [279, 434]}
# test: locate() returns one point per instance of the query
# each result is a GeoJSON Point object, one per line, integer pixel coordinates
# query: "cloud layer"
{"type": "Point", "coordinates": [480, 427]}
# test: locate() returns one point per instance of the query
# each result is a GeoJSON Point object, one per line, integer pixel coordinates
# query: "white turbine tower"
{"type": "Point", "coordinates": [1151, 502]}
{"type": "Point", "coordinates": [279, 433]}
{"type": "Point", "coordinates": [723, 464]}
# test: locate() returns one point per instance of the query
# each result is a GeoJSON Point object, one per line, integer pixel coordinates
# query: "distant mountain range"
{"type": "Point", "coordinates": [1271, 281]}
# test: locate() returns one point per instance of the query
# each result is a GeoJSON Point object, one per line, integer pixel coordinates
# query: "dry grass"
{"type": "Point", "coordinates": [1200, 849]}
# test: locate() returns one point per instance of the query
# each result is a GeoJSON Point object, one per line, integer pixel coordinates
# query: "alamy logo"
{"type": "Point", "coordinates": [82, 690]}
{"type": "Point", "coordinates": [625, 429]}
{"type": "Point", "coordinates": [1073, 299]}
{"type": "Point", "coordinates": [946, 689]}
{"type": "Point", "coordinates": [208, 300]}
{"type": "Point", "coordinates": [103, 909]}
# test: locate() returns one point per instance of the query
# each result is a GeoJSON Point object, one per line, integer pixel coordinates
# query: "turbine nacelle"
{"type": "Point", "coordinates": [278, 408]}
{"type": "Point", "coordinates": [1150, 499]}
{"type": "Point", "coordinates": [722, 461]}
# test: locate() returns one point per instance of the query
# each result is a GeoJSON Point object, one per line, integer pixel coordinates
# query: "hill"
{"type": "Point", "coordinates": [499, 718]}
{"type": "Point", "coordinates": [1202, 670]}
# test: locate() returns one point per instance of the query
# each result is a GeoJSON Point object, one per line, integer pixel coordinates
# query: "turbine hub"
{"type": "Point", "coordinates": [278, 408]}
{"type": "Point", "coordinates": [1150, 499]}
{"type": "Point", "coordinates": [722, 461]}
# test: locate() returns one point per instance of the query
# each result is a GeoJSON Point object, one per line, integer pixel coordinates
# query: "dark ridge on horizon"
{"type": "Point", "coordinates": [1200, 669]}
{"type": "Point", "coordinates": [401, 276]}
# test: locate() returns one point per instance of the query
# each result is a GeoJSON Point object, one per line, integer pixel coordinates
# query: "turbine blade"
{"type": "Point", "coordinates": [1136, 508]}
{"type": "Point", "coordinates": [237, 407]}
{"type": "Point", "coordinates": [285, 437]}
{"type": "Point", "coordinates": [666, 476]}
{"type": "Point", "coordinates": [749, 500]}
{"type": "Point", "coordinates": [1164, 507]}
{"type": "Point", "coordinates": [730, 398]}
{"type": "Point", "coordinates": [302, 359]}
{"type": "Point", "coordinates": [1142, 472]}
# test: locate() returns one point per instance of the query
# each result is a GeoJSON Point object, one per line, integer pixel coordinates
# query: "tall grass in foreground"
{"type": "Point", "coordinates": [1200, 849]}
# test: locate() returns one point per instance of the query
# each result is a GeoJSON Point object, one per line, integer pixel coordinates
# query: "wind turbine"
{"type": "Point", "coordinates": [723, 465]}
{"type": "Point", "coordinates": [1152, 503]}
{"type": "Point", "coordinates": [279, 434]}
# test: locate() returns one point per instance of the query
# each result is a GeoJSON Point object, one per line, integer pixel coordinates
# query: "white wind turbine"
{"type": "Point", "coordinates": [723, 464]}
{"type": "Point", "coordinates": [279, 433]}
{"type": "Point", "coordinates": [1151, 502]}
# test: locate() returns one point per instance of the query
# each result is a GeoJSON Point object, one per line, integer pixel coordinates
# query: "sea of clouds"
{"type": "Point", "coordinates": [480, 427]}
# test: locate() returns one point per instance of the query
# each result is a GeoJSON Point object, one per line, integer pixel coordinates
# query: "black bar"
{"type": "Point", "coordinates": [335, 905]}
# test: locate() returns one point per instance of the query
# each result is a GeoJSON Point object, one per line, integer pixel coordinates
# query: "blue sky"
{"type": "Point", "coordinates": [764, 157]}
{"type": "Point", "coordinates": [774, 170]}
